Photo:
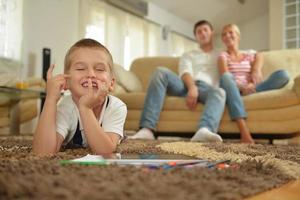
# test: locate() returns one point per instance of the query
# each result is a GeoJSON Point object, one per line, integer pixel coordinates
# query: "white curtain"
{"type": "Point", "coordinates": [153, 39]}
{"type": "Point", "coordinates": [125, 35]}
{"type": "Point", "coordinates": [11, 12]}
{"type": "Point", "coordinates": [115, 31]}
{"type": "Point", "coordinates": [92, 20]}
{"type": "Point", "coordinates": [135, 40]}
{"type": "Point", "coordinates": [180, 44]}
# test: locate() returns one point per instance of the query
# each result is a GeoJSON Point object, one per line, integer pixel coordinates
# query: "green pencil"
{"type": "Point", "coordinates": [100, 162]}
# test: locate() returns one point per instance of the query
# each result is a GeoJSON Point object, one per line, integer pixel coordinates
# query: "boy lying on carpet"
{"type": "Point", "coordinates": [87, 117]}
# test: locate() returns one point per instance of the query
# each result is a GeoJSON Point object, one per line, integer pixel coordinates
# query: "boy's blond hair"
{"type": "Point", "coordinates": [234, 27]}
{"type": "Point", "coordinates": [87, 43]}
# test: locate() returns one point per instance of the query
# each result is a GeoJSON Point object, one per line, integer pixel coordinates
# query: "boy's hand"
{"type": "Point", "coordinates": [94, 98]}
{"type": "Point", "coordinates": [55, 84]}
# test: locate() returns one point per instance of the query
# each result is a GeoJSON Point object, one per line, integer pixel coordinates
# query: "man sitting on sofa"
{"type": "Point", "coordinates": [198, 81]}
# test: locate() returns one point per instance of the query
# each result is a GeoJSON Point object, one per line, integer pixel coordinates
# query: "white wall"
{"type": "Point", "coordinates": [276, 24]}
{"type": "Point", "coordinates": [254, 34]}
{"type": "Point", "coordinates": [48, 23]}
{"type": "Point", "coordinates": [165, 18]}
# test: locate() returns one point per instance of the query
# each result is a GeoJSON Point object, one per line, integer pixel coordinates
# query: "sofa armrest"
{"type": "Point", "coordinates": [296, 86]}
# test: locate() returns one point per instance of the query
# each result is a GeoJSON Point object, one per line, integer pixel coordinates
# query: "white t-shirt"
{"type": "Point", "coordinates": [201, 66]}
{"type": "Point", "coordinates": [112, 118]}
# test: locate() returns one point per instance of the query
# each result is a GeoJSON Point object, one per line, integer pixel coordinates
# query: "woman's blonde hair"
{"type": "Point", "coordinates": [234, 27]}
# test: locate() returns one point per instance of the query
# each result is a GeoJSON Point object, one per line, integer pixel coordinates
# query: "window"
{"type": "Point", "coordinates": [95, 29]}
{"type": "Point", "coordinates": [11, 12]}
{"type": "Point", "coordinates": [181, 44]}
{"type": "Point", "coordinates": [125, 35]}
{"type": "Point", "coordinates": [292, 24]}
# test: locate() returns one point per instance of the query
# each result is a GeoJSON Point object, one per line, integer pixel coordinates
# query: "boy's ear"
{"type": "Point", "coordinates": [112, 84]}
{"type": "Point", "coordinates": [67, 84]}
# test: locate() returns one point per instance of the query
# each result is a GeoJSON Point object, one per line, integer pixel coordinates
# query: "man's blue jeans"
{"type": "Point", "coordinates": [163, 82]}
{"type": "Point", "coordinates": [234, 101]}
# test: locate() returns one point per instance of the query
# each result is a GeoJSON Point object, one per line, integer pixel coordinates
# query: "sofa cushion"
{"type": "Point", "coordinates": [272, 99]}
{"type": "Point", "coordinates": [127, 79]}
{"type": "Point", "coordinates": [144, 67]}
{"type": "Point", "coordinates": [7, 79]}
{"type": "Point", "coordinates": [118, 89]}
{"type": "Point", "coordinates": [263, 100]}
{"type": "Point", "coordinates": [4, 100]}
{"type": "Point", "coordinates": [288, 59]}
{"type": "Point", "coordinates": [4, 111]}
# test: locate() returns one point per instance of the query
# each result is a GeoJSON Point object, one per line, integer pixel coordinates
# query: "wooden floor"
{"type": "Point", "coordinates": [290, 191]}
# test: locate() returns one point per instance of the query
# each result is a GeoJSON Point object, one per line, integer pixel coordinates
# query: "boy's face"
{"type": "Point", "coordinates": [204, 34]}
{"type": "Point", "coordinates": [89, 63]}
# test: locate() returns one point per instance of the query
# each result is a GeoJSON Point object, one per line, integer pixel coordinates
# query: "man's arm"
{"type": "Point", "coordinates": [185, 70]}
{"type": "Point", "coordinates": [192, 95]}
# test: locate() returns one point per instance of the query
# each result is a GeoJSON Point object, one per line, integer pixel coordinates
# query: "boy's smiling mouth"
{"type": "Point", "coordinates": [85, 84]}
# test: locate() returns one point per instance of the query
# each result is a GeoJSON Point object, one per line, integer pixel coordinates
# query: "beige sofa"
{"type": "Point", "coordinates": [272, 114]}
{"type": "Point", "coordinates": [28, 108]}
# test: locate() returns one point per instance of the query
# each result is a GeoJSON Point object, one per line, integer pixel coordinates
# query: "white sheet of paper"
{"type": "Point", "coordinates": [89, 158]}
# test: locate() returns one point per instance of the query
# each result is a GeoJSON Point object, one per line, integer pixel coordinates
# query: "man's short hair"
{"type": "Point", "coordinates": [202, 22]}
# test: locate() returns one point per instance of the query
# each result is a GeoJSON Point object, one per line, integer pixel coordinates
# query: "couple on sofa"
{"type": "Point", "coordinates": [213, 78]}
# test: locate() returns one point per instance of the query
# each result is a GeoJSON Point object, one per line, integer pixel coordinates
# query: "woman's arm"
{"type": "Point", "coordinates": [256, 69]}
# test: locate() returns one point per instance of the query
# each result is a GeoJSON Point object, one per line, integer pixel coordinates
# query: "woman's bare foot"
{"type": "Point", "coordinates": [247, 140]}
{"type": "Point", "coordinates": [245, 133]}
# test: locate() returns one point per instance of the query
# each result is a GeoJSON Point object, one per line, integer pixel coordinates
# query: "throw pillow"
{"type": "Point", "coordinates": [127, 79]}
{"type": "Point", "coordinates": [118, 89]}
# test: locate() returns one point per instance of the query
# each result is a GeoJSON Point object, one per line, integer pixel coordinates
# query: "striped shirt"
{"type": "Point", "coordinates": [241, 70]}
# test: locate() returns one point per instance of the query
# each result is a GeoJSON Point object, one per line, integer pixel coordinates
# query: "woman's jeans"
{"type": "Point", "coordinates": [163, 82]}
{"type": "Point", "coordinates": [234, 101]}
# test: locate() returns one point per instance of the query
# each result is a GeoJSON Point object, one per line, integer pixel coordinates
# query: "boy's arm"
{"type": "Point", "coordinates": [99, 141]}
{"type": "Point", "coordinates": [46, 140]}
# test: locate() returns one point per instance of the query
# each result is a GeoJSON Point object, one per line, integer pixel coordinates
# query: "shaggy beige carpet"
{"type": "Point", "coordinates": [260, 168]}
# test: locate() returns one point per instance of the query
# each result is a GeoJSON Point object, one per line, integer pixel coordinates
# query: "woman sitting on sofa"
{"type": "Point", "coordinates": [241, 75]}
